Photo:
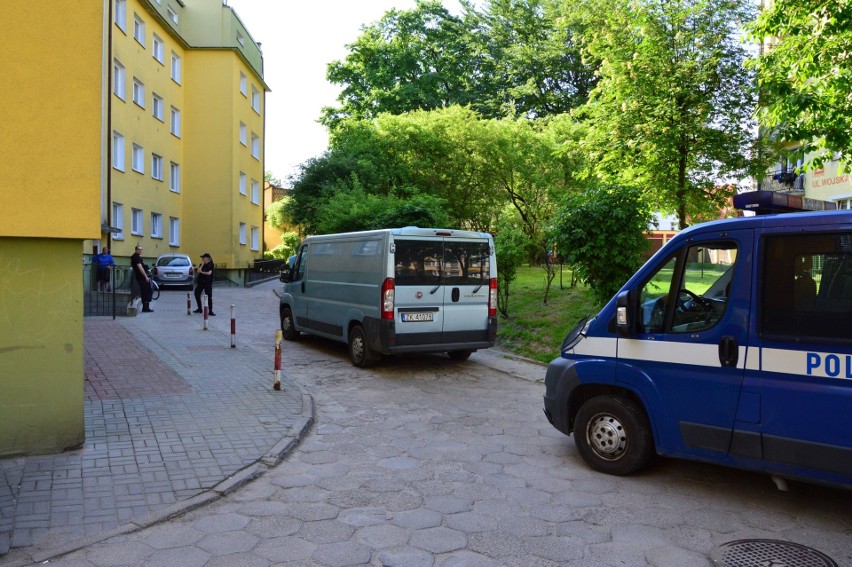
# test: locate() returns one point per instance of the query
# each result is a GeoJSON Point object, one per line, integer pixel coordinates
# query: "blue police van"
{"type": "Point", "coordinates": [731, 345]}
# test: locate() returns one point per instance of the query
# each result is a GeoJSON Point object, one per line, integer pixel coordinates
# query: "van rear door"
{"type": "Point", "coordinates": [419, 296]}
{"type": "Point", "coordinates": [466, 275]}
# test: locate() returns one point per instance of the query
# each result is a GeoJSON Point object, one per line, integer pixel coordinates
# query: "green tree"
{"type": "Point", "coordinates": [805, 74]}
{"type": "Point", "coordinates": [277, 216]}
{"type": "Point", "coordinates": [290, 242]}
{"type": "Point", "coordinates": [601, 231]}
{"type": "Point", "coordinates": [672, 110]}
{"type": "Point", "coordinates": [510, 248]}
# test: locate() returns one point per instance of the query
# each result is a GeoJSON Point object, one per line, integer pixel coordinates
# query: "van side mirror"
{"type": "Point", "coordinates": [625, 310]}
{"type": "Point", "coordinates": [286, 275]}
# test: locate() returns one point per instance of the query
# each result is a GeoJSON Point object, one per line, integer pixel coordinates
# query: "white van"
{"type": "Point", "coordinates": [394, 291]}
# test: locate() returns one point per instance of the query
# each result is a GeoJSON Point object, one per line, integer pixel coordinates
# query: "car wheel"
{"type": "Point", "coordinates": [288, 329]}
{"type": "Point", "coordinates": [613, 435]}
{"type": "Point", "coordinates": [359, 350]}
{"type": "Point", "coordinates": [459, 355]}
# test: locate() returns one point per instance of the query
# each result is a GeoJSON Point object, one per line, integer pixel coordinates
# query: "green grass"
{"type": "Point", "coordinates": [534, 329]}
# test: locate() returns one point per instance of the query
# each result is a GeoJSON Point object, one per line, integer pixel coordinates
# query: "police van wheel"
{"type": "Point", "coordinates": [359, 350]}
{"type": "Point", "coordinates": [288, 330]}
{"type": "Point", "coordinates": [612, 435]}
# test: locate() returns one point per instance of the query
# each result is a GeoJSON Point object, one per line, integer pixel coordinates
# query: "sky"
{"type": "Point", "coordinates": [299, 39]}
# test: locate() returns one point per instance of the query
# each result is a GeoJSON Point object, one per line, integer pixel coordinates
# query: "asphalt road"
{"type": "Point", "coordinates": [422, 461]}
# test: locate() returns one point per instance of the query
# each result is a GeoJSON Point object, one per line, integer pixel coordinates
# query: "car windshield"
{"type": "Point", "coordinates": [173, 261]}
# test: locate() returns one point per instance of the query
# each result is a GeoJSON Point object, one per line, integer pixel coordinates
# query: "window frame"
{"type": "Point", "coordinates": [137, 222]}
{"type": "Point", "coordinates": [158, 49]}
{"type": "Point", "coordinates": [174, 231]}
{"type": "Point", "coordinates": [254, 196]}
{"type": "Point", "coordinates": [255, 239]}
{"type": "Point", "coordinates": [174, 180]}
{"type": "Point", "coordinates": [255, 146]}
{"type": "Point", "coordinates": [119, 79]}
{"type": "Point", "coordinates": [156, 225]}
{"type": "Point", "coordinates": [176, 69]}
{"type": "Point", "coordinates": [137, 158]}
{"type": "Point", "coordinates": [120, 15]}
{"type": "Point", "coordinates": [158, 107]}
{"type": "Point", "coordinates": [243, 183]}
{"type": "Point", "coordinates": [138, 92]}
{"type": "Point", "coordinates": [174, 122]}
{"type": "Point", "coordinates": [255, 99]}
{"type": "Point", "coordinates": [157, 168]}
{"type": "Point", "coordinates": [243, 233]}
{"type": "Point", "coordinates": [119, 160]}
{"type": "Point", "coordinates": [139, 29]}
{"type": "Point", "coordinates": [118, 221]}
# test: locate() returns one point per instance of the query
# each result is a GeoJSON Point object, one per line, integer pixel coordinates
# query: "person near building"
{"type": "Point", "coordinates": [103, 261]}
{"type": "Point", "coordinates": [140, 272]}
{"type": "Point", "coordinates": [204, 283]}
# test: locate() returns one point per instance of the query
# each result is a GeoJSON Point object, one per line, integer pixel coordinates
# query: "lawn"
{"type": "Point", "coordinates": [534, 329]}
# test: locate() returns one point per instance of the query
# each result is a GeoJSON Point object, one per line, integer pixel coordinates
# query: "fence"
{"type": "Point", "coordinates": [107, 298]}
{"type": "Point", "coordinates": [263, 270]}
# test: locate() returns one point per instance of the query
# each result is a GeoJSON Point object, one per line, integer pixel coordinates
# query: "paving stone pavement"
{"type": "Point", "coordinates": [424, 461]}
{"type": "Point", "coordinates": [174, 417]}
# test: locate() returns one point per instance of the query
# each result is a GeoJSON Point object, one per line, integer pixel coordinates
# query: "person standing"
{"type": "Point", "coordinates": [140, 271]}
{"type": "Point", "coordinates": [103, 260]}
{"type": "Point", "coordinates": [204, 283]}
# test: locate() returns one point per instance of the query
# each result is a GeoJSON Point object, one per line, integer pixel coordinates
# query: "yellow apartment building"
{"type": "Point", "coordinates": [124, 122]}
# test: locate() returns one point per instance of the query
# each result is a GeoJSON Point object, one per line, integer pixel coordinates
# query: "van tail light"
{"type": "Point", "coordinates": [387, 298]}
{"type": "Point", "coordinates": [492, 297]}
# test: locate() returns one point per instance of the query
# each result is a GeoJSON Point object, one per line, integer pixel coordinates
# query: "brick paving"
{"type": "Point", "coordinates": [173, 415]}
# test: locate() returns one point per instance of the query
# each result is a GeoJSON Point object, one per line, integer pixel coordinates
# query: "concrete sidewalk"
{"type": "Point", "coordinates": [174, 418]}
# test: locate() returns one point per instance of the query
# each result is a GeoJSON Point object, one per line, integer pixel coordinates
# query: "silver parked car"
{"type": "Point", "coordinates": [173, 269]}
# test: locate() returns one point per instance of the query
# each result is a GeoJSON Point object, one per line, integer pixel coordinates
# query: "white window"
{"type": "Point", "coordinates": [137, 159]}
{"type": "Point", "coordinates": [119, 79]}
{"type": "Point", "coordinates": [174, 177]}
{"type": "Point", "coordinates": [255, 238]}
{"type": "Point", "coordinates": [117, 151]}
{"type": "Point", "coordinates": [138, 92]}
{"type": "Point", "coordinates": [174, 231]}
{"type": "Point", "coordinates": [118, 221]}
{"type": "Point", "coordinates": [136, 227]}
{"type": "Point", "coordinates": [120, 14]}
{"type": "Point", "coordinates": [174, 127]}
{"type": "Point", "coordinates": [240, 39]}
{"type": "Point", "coordinates": [139, 29]}
{"type": "Point", "coordinates": [157, 106]}
{"type": "Point", "coordinates": [172, 15]}
{"type": "Point", "coordinates": [159, 49]}
{"type": "Point", "coordinates": [255, 146]}
{"type": "Point", "coordinates": [243, 84]}
{"type": "Point", "coordinates": [156, 225]}
{"type": "Point", "coordinates": [243, 134]}
{"type": "Point", "coordinates": [844, 204]}
{"type": "Point", "coordinates": [243, 233]}
{"type": "Point", "coordinates": [243, 183]}
{"type": "Point", "coordinates": [175, 67]}
{"type": "Point", "coordinates": [255, 99]}
{"type": "Point", "coordinates": [255, 192]}
{"type": "Point", "coordinates": [157, 167]}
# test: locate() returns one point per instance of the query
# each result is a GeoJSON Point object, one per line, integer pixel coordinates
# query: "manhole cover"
{"type": "Point", "coordinates": [768, 553]}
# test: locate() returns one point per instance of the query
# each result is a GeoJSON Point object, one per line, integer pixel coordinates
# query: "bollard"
{"type": "Point", "coordinates": [188, 304]}
{"type": "Point", "coordinates": [277, 384]}
{"type": "Point", "coordinates": [233, 328]}
{"type": "Point", "coordinates": [205, 308]}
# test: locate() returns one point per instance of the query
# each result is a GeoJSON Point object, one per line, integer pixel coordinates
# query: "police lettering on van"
{"type": "Point", "coordinates": [733, 345]}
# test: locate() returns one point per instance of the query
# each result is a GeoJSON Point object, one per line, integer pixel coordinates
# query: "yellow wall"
{"type": "Point", "coordinates": [41, 345]}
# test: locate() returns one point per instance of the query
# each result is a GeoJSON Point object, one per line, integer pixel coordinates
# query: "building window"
{"type": "Point", "coordinates": [120, 14]}
{"type": "Point", "coordinates": [243, 84]}
{"type": "Point", "coordinates": [240, 39]}
{"type": "Point", "coordinates": [157, 107]}
{"type": "Point", "coordinates": [119, 79]}
{"type": "Point", "coordinates": [255, 146]}
{"type": "Point", "coordinates": [175, 67]}
{"type": "Point", "coordinates": [136, 222]}
{"type": "Point", "coordinates": [243, 183]}
{"type": "Point", "coordinates": [255, 99]}
{"type": "Point", "coordinates": [172, 15]}
{"type": "Point", "coordinates": [174, 177]}
{"type": "Point", "coordinates": [138, 92]}
{"type": "Point", "coordinates": [137, 159]}
{"type": "Point", "coordinates": [255, 238]}
{"type": "Point", "coordinates": [139, 29]}
{"type": "Point", "coordinates": [118, 221]}
{"type": "Point", "coordinates": [255, 192]}
{"type": "Point", "coordinates": [844, 204]}
{"type": "Point", "coordinates": [117, 151]}
{"type": "Point", "coordinates": [243, 233]}
{"type": "Point", "coordinates": [174, 127]}
{"type": "Point", "coordinates": [159, 50]}
{"type": "Point", "coordinates": [156, 225]}
{"type": "Point", "coordinates": [243, 134]}
{"type": "Point", "coordinates": [174, 231]}
{"type": "Point", "coordinates": [157, 167]}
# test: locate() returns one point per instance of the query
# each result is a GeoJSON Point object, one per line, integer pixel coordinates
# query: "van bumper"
{"type": "Point", "coordinates": [559, 381]}
{"type": "Point", "coordinates": [384, 339]}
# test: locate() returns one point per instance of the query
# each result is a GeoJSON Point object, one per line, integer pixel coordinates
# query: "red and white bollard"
{"type": "Point", "coordinates": [188, 305]}
{"type": "Point", "coordinates": [205, 308]}
{"type": "Point", "coordinates": [277, 384]}
{"type": "Point", "coordinates": [233, 329]}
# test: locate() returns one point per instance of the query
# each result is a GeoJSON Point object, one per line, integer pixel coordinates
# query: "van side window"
{"type": "Point", "coordinates": [690, 292]}
{"type": "Point", "coordinates": [301, 264]}
{"type": "Point", "coordinates": [807, 287]}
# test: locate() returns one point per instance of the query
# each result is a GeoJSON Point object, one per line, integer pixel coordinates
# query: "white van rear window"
{"type": "Point", "coordinates": [430, 262]}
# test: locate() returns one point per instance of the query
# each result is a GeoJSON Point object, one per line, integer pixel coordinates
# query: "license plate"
{"type": "Point", "coordinates": [428, 316]}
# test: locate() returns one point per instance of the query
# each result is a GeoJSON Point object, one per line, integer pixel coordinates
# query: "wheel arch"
{"type": "Point", "coordinates": [586, 392]}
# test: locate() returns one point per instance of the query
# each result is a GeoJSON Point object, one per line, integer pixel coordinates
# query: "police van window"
{"type": "Point", "coordinates": [690, 292]}
{"type": "Point", "coordinates": [807, 287]}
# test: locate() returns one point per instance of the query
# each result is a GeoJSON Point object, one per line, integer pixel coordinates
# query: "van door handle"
{"type": "Point", "coordinates": [303, 286]}
{"type": "Point", "coordinates": [455, 294]}
{"type": "Point", "coordinates": [729, 352]}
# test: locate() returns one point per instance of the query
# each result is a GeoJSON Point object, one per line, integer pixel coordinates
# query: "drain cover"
{"type": "Point", "coordinates": [768, 553]}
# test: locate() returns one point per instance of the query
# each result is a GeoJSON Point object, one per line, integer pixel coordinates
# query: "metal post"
{"type": "Point", "coordinates": [277, 384]}
{"type": "Point", "coordinates": [233, 328]}
{"type": "Point", "coordinates": [188, 304]}
{"type": "Point", "coordinates": [205, 309]}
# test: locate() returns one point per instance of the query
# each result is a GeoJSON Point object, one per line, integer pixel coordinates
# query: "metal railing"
{"type": "Point", "coordinates": [107, 298]}
{"type": "Point", "coordinates": [263, 270]}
